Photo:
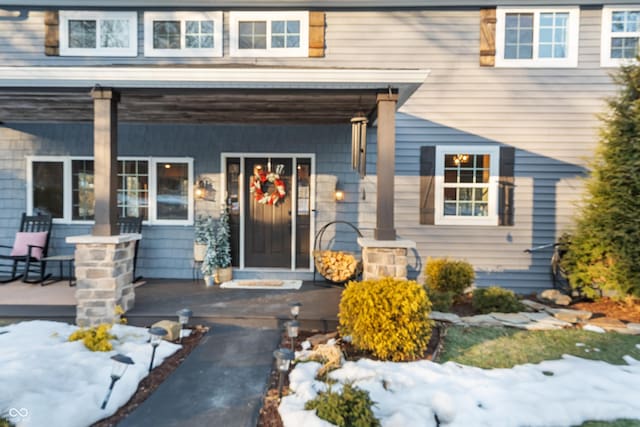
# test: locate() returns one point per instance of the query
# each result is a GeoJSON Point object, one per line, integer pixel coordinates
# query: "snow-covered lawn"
{"type": "Point", "coordinates": [48, 381]}
{"type": "Point", "coordinates": [561, 392]}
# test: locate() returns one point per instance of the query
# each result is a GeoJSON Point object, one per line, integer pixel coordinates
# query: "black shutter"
{"type": "Point", "coordinates": [427, 184]}
{"type": "Point", "coordinates": [506, 185]}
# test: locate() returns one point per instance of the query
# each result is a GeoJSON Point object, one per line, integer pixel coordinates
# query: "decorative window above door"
{"type": "Point", "coordinates": [183, 34]}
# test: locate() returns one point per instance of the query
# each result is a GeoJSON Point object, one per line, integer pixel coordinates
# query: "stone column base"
{"type": "Point", "coordinates": [104, 277]}
{"type": "Point", "coordinates": [384, 258]}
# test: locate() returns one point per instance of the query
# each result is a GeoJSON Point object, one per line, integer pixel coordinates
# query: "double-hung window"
{"type": "Point", "coordinates": [284, 34]}
{"type": "Point", "coordinates": [620, 35]}
{"type": "Point", "coordinates": [537, 37]}
{"type": "Point", "coordinates": [157, 189]}
{"type": "Point", "coordinates": [466, 185]}
{"type": "Point", "coordinates": [93, 33]}
{"type": "Point", "coordinates": [183, 34]}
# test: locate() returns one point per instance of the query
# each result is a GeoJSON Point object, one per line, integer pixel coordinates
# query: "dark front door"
{"type": "Point", "coordinates": [268, 218]}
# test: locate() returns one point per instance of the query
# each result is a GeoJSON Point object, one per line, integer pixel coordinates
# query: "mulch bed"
{"type": "Point", "coordinates": [606, 307]}
{"type": "Point", "coordinates": [269, 415]}
{"type": "Point", "coordinates": [150, 383]}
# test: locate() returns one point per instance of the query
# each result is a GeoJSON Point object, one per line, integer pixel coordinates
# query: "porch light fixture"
{"type": "Point", "coordinates": [183, 319]}
{"type": "Point", "coordinates": [293, 327]}
{"type": "Point", "coordinates": [283, 358]}
{"type": "Point", "coordinates": [204, 190]}
{"type": "Point", "coordinates": [156, 334]}
{"type": "Point", "coordinates": [338, 195]}
{"type": "Point", "coordinates": [295, 309]}
{"type": "Point", "coordinates": [119, 366]}
{"type": "Point", "coordinates": [359, 144]}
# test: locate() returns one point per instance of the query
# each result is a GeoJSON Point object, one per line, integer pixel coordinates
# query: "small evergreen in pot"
{"type": "Point", "coordinates": [204, 231]}
{"type": "Point", "coordinates": [223, 248]}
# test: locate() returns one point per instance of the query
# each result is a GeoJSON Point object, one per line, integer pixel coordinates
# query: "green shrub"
{"type": "Point", "coordinates": [6, 423]}
{"type": "Point", "coordinates": [495, 299]}
{"type": "Point", "coordinates": [96, 338]}
{"type": "Point", "coordinates": [440, 300]}
{"type": "Point", "coordinates": [351, 408]}
{"type": "Point", "coordinates": [604, 248]}
{"type": "Point", "coordinates": [447, 275]}
{"type": "Point", "coordinates": [388, 317]}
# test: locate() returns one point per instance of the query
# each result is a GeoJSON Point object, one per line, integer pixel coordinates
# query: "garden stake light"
{"type": "Point", "coordinates": [156, 334]}
{"type": "Point", "coordinates": [295, 309]}
{"type": "Point", "coordinates": [118, 368]}
{"type": "Point", "coordinates": [293, 327]}
{"type": "Point", "coordinates": [283, 360]}
{"type": "Point", "coordinates": [183, 319]}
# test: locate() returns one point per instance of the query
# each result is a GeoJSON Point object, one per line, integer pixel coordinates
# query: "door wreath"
{"type": "Point", "coordinates": [266, 186]}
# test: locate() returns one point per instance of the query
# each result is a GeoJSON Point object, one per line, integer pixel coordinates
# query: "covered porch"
{"type": "Point", "coordinates": [203, 96]}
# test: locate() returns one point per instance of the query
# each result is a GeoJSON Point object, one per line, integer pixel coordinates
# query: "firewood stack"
{"type": "Point", "coordinates": [336, 266]}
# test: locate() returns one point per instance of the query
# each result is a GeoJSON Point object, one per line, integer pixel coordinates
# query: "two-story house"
{"type": "Point", "coordinates": [455, 128]}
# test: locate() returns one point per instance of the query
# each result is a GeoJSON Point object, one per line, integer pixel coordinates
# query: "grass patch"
{"type": "Point", "coordinates": [507, 347]}
{"type": "Point", "coordinates": [616, 423]}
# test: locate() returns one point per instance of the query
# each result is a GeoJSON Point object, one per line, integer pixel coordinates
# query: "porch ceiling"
{"type": "Point", "coordinates": [202, 94]}
{"type": "Point", "coordinates": [191, 105]}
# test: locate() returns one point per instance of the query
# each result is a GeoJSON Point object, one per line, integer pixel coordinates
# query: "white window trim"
{"type": "Point", "coordinates": [66, 15]}
{"type": "Point", "coordinates": [573, 37]}
{"type": "Point", "coordinates": [236, 17]}
{"type": "Point", "coordinates": [494, 170]}
{"type": "Point", "coordinates": [153, 191]}
{"type": "Point", "coordinates": [607, 35]}
{"type": "Point", "coordinates": [216, 17]}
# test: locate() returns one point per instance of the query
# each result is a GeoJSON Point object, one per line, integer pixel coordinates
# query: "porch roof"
{"type": "Point", "coordinates": [200, 94]}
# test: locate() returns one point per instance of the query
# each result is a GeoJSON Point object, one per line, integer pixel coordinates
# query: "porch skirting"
{"type": "Point", "coordinates": [104, 273]}
{"type": "Point", "coordinates": [384, 258]}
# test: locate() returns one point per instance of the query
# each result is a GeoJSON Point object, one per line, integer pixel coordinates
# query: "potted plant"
{"type": "Point", "coordinates": [209, 263]}
{"type": "Point", "coordinates": [224, 271]}
{"type": "Point", "coordinates": [203, 232]}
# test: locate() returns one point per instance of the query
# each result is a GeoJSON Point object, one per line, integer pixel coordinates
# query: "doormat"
{"type": "Point", "coordinates": [262, 284]}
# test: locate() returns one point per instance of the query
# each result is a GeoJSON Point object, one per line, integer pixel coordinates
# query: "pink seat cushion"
{"type": "Point", "coordinates": [23, 240]}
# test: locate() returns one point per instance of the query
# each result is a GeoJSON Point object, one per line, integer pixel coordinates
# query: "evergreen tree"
{"type": "Point", "coordinates": [209, 263]}
{"type": "Point", "coordinates": [604, 251]}
{"type": "Point", "coordinates": [223, 242]}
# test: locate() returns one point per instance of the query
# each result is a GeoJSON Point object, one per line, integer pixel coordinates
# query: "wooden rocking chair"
{"type": "Point", "coordinates": [30, 247]}
{"type": "Point", "coordinates": [131, 224]}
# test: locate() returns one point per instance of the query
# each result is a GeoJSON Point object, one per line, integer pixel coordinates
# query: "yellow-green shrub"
{"type": "Point", "coordinates": [495, 298]}
{"type": "Point", "coordinates": [445, 275]}
{"type": "Point", "coordinates": [388, 317]}
{"type": "Point", "coordinates": [95, 338]}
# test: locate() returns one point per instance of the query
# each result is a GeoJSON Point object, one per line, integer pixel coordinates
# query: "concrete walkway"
{"type": "Point", "coordinates": [221, 383]}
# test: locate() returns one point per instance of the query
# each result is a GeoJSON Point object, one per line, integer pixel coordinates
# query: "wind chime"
{"type": "Point", "coordinates": [359, 145]}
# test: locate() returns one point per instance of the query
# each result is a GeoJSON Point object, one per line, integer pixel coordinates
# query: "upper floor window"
{"type": "Point", "coordinates": [466, 185]}
{"type": "Point", "coordinates": [183, 34]}
{"type": "Point", "coordinates": [269, 34]}
{"type": "Point", "coordinates": [620, 35]}
{"type": "Point", "coordinates": [92, 33]}
{"type": "Point", "coordinates": [537, 37]}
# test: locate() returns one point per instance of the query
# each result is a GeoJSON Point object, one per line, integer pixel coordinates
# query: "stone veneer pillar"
{"type": "Point", "coordinates": [384, 258]}
{"type": "Point", "coordinates": [104, 277]}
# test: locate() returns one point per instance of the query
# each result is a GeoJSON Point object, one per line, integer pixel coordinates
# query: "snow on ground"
{"type": "Point", "coordinates": [561, 392]}
{"type": "Point", "coordinates": [48, 381]}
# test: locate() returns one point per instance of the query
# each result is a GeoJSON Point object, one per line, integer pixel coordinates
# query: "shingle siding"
{"type": "Point", "coordinates": [548, 115]}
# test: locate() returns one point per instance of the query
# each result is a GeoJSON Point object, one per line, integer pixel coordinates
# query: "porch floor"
{"type": "Point", "coordinates": [161, 298]}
